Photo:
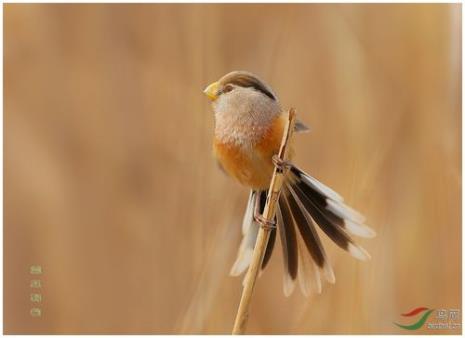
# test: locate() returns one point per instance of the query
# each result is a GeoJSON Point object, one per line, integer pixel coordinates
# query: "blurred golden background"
{"type": "Point", "coordinates": [110, 185]}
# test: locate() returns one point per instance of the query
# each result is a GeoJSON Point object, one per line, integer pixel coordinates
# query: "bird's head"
{"type": "Point", "coordinates": [238, 80]}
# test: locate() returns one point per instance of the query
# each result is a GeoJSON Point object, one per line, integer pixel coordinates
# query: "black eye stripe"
{"type": "Point", "coordinates": [247, 80]}
{"type": "Point", "coordinates": [251, 82]}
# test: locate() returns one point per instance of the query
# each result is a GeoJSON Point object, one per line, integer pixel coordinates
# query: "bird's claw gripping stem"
{"type": "Point", "coordinates": [264, 223]}
{"type": "Point", "coordinates": [280, 163]}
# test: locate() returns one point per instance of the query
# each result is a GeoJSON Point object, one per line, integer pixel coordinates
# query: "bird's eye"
{"type": "Point", "coordinates": [227, 88]}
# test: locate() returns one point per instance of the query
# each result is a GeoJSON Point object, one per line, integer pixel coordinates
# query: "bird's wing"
{"type": "Point", "coordinates": [301, 127]}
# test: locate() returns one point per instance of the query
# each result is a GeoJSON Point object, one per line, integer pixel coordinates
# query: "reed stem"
{"type": "Point", "coordinates": [269, 212]}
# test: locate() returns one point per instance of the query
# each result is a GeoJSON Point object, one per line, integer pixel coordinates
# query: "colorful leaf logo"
{"type": "Point", "coordinates": [420, 322]}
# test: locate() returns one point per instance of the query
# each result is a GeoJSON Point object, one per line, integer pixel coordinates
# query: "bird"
{"type": "Point", "coordinates": [248, 127]}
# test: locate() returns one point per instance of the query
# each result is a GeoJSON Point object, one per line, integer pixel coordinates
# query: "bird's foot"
{"type": "Point", "coordinates": [280, 163]}
{"type": "Point", "coordinates": [264, 223]}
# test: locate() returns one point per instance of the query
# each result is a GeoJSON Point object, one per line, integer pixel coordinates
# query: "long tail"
{"type": "Point", "coordinates": [303, 202]}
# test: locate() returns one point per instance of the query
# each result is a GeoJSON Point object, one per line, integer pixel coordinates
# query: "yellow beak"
{"type": "Point", "coordinates": [212, 91]}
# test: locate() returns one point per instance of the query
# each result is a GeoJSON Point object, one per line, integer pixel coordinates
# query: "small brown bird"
{"type": "Point", "coordinates": [249, 125]}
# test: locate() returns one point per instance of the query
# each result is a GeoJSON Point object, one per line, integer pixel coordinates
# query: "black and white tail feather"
{"type": "Point", "coordinates": [303, 202]}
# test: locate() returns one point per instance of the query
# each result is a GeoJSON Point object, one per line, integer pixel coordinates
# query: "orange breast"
{"type": "Point", "coordinates": [251, 166]}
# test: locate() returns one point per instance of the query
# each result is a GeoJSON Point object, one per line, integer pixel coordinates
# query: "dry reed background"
{"type": "Point", "coordinates": [111, 187]}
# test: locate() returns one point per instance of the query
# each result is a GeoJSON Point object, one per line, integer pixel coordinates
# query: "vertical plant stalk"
{"type": "Point", "coordinates": [264, 232]}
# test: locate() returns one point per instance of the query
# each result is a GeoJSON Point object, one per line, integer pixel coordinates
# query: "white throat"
{"type": "Point", "coordinates": [243, 116]}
